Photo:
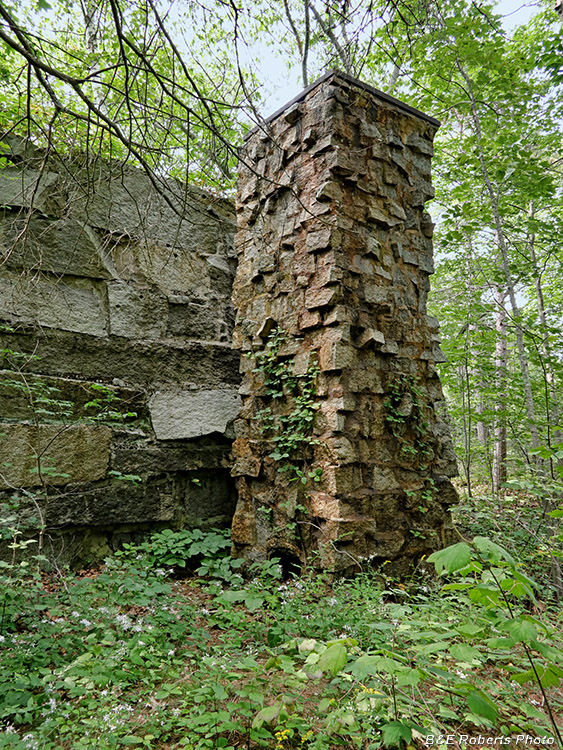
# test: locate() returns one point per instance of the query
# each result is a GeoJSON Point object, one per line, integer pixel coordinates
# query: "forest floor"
{"type": "Point", "coordinates": [137, 653]}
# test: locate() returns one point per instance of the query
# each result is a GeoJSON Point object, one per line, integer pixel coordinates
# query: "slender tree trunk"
{"type": "Point", "coordinates": [342, 52]}
{"type": "Point", "coordinates": [302, 44]}
{"type": "Point", "coordinates": [552, 406]}
{"type": "Point", "coordinates": [499, 449]}
{"type": "Point", "coordinates": [306, 41]}
{"type": "Point", "coordinates": [493, 199]}
{"type": "Point", "coordinates": [91, 11]}
{"type": "Point", "coordinates": [553, 415]}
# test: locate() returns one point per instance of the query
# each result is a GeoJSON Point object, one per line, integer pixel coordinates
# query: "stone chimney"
{"type": "Point", "coordinates": [342, 454]}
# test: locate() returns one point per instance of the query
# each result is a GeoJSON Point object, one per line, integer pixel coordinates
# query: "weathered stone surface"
{"type": "Point", "coordinates": [109, 296]}
{"type": "Point", "coordinates": [19, 189]}
{"type": "Point", "coordinates": [187, 414]}
{"type": "Point", "coordinates": [139, 454]}
{"type": "Point", "coordinates": [70, 398]}
{"type": "Point", "coordinates": [356, 311]}
{"type": "Point", "coordinates": [68, 303]}
{"type": "Point", "coordinates": [136, 312]}
{"type": "Point", "coordinates": [205, 496]}
{"type": "Point", "coordinates": [129, 362]}
{"type": "Point", "coordinates": [54, 454]}
{"type": "Point", "coordinates": [64, 247]}
{"type": "Point", "coordinates": [117, 502]}
{"type": "Point", "coordinates": [125, 201]}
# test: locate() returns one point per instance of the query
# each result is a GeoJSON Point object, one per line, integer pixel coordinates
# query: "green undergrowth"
{"type": "Point", "coordinates": [168, 646]}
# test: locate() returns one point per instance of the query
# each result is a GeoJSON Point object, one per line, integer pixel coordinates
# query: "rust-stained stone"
{"type": "Point", "coordinates": [350, 242]}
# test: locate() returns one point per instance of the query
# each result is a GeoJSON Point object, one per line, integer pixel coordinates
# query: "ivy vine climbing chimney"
{"type": "Point", "coordinates": [342, 453]}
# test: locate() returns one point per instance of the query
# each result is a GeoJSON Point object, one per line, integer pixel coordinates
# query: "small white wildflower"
{"type": "Point", "coordinates": [172, 652]}
{"type": "Point", "coordinates": [2, 639]}
{"type": "Point", "coordinates": [332, 601]}
{"type": "Point", "coordinates": [123, 621]}
{"type": "Point", "coordinates": [204, 611]}
{"type": "Point", "coordinates": [175, 712]}
{"type": "Point", "coordinates": [75, 614]}
{"type": "Point", "coordinates": [461, 674]}
{"type": "Point", "coordinates": [86, 623]}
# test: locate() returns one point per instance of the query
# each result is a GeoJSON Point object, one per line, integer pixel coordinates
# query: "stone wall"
{"type": "Point", "coordinates": [119, 383]}
{"type": "Point", "coordinates": [103, 284]}
{"type": "Point", "coordinates": [335, 252]}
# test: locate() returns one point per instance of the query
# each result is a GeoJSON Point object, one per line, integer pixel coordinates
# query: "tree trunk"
{"type": "Point", "coordinates": [493, 198]}
{"type": "Point", "coordinates": [499, 449]}
{"type": "Point", "coordinates": [553, 414]}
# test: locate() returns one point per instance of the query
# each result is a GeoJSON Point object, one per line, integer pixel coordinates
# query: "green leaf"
{"type": "Point", "coordinates": [333, 659]}
{"type": "Point", "coordinates": [306, 645]}
{"type": "Point", "coordinates": [520, 629]}
{"type": "Point", "coordinates": [408, 677]}
{"type": "Point", "coordinates": [267, 715]}
{"type": "Point", "coordinates": [489, 596]}
{"type": "Point", "coordinates": [493, 552]}
{"type": "Point", "coordinates": [233, 596]}
{"type": "Point", "coordinates": [364, 666]}
{"type": "Point", "coordinates": [469, 629]}
{"type": "Point", "coordinates": [394, 732]}
{"type": "Point", "coordinates": [549, 676]}
{"type": "Point", "coordinates": [450, 559]}
{"type": "Point", "coordinates": [482, 706]}
{"type": "Point", "coordinates": [386, 664]}
{"type": "Point", "coordinates": [253, 602]}
{"type": "Point", "coordinates": [463, 652]}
